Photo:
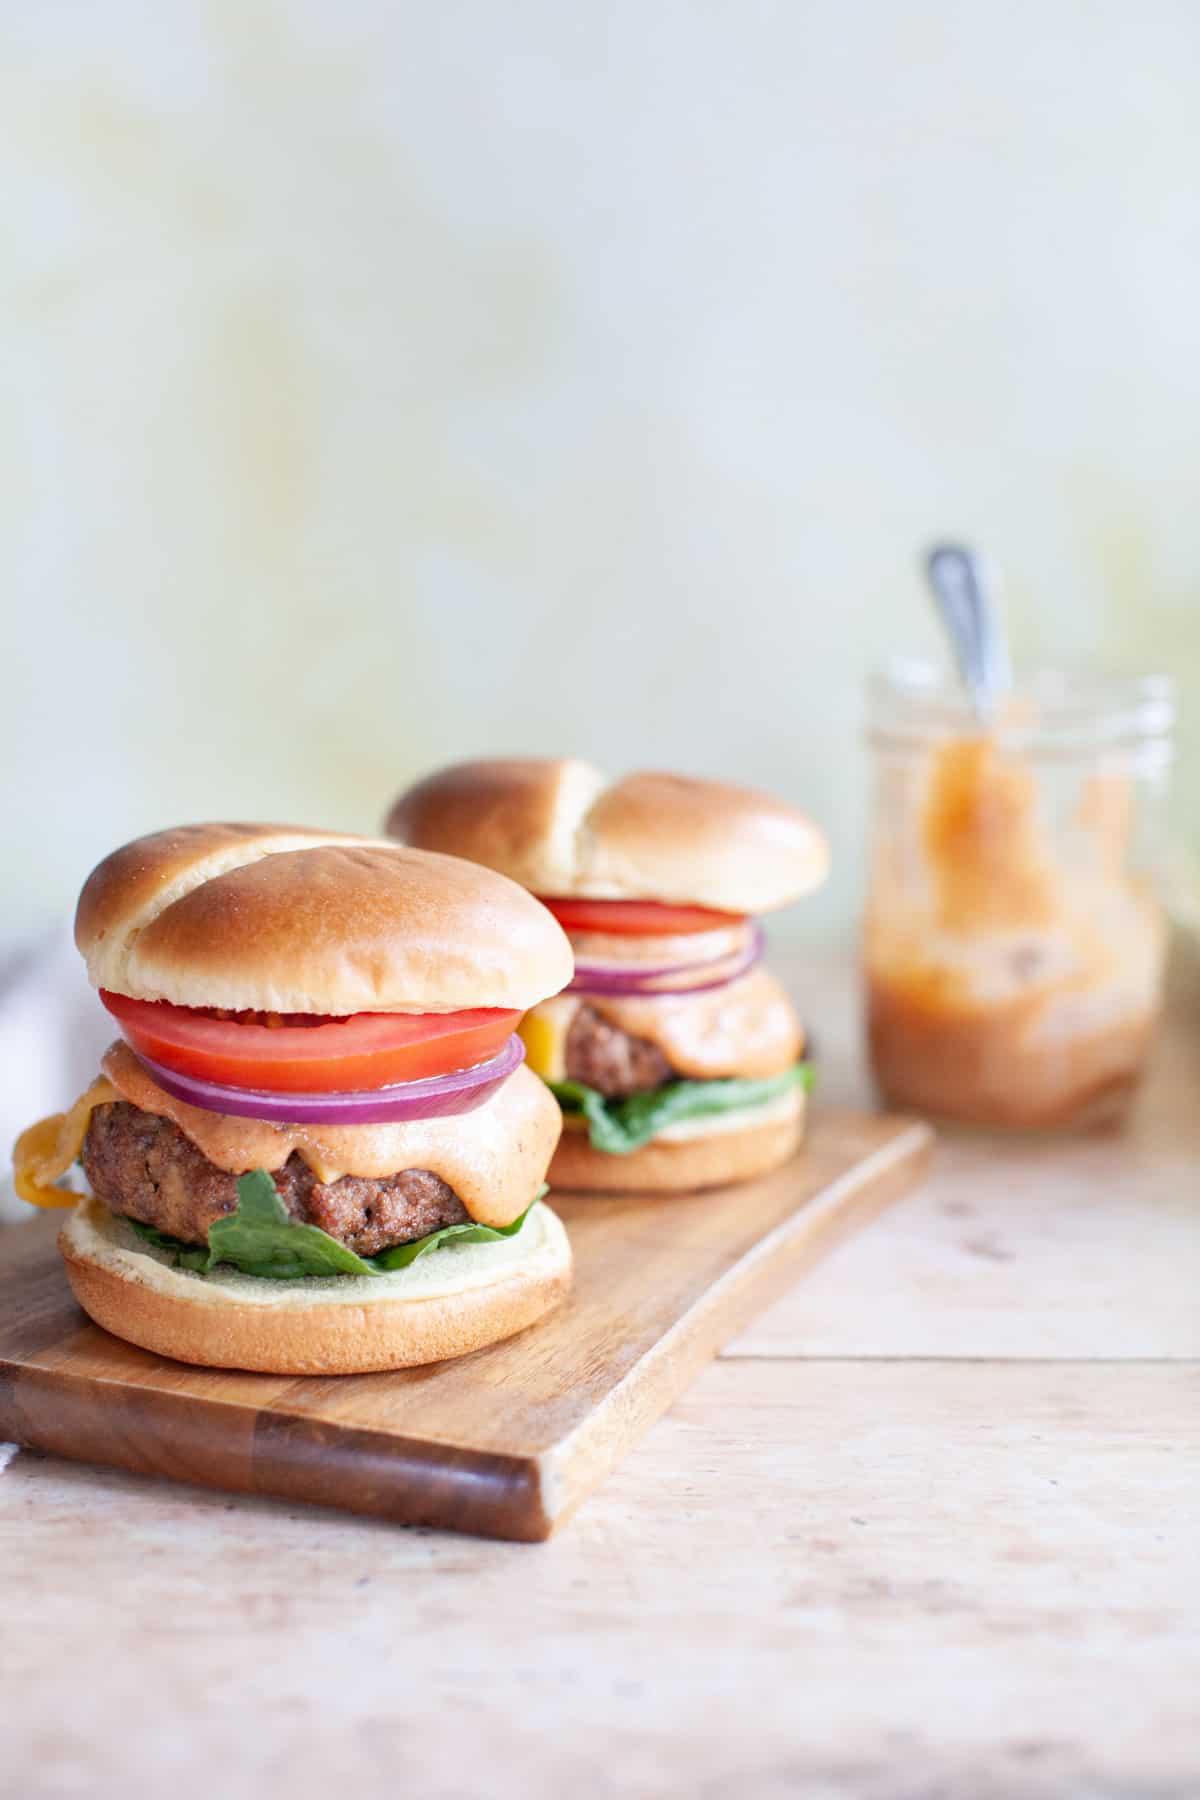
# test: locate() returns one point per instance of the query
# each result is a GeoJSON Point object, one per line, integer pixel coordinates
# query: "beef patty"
{"type": "Point", "coordinates": [610, 1060]}
{"type": "Point", "coordinates": [143, 1167]}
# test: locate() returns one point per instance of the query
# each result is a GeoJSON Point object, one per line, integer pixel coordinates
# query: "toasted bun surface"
{"type": "Point", "coordinates": [444, 1304]}
{"type": "Point", "coordinates": [278, 919]}
{"type": "Point", "coordinates": [561, 828]}
{"type": "Point", "coordinates": [662, 1167]}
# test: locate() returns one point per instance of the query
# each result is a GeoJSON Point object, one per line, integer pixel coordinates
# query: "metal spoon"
{"type": "Point", "coordinates": [964, 596]}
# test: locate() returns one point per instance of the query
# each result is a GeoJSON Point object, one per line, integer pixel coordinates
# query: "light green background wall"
{"type": "Point", "coordinates": [387, 382]}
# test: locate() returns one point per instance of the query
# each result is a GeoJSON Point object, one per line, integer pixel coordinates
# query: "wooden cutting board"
{"type": "Point", "coordinates": [504, 1443]}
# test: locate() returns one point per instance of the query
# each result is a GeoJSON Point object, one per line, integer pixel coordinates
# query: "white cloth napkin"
{"type": "Point", "coordinates": [53, 1031]}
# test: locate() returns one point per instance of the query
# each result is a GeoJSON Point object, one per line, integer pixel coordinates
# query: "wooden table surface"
{"type": "Point", "coordinates": [927, 1530]}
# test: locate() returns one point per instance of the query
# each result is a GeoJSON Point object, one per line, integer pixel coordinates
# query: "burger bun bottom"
{"type": "Point", "coordinates": [446, 1303]}
{"type": "Point", "coordinates": [718, 1159]}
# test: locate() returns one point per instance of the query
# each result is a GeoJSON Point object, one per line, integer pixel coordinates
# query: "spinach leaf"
{"type": "Point", "coordinates": [619, 1126]}
{"type": "Point", "coordinates": [187, 1256]}
{"type": "Point", "coordinates": [261, 1238]}
{"type": "Point", "coordinates": [400, 1255]}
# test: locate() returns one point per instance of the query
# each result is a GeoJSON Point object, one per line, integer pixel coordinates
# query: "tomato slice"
{"type": "Point", "coordinates": [318, 1056]}
{"type": "Point", "coordinates": [638, 918]}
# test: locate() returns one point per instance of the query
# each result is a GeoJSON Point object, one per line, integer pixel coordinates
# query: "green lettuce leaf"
{"type": "Point", "coordinates": [187, 1256]}
{"type": "Point", "coordinates": [261, 1238]}
{"type": "Point", "coordinates": [619, 1126]}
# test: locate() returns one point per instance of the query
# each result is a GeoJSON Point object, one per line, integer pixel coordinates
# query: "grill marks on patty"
{"type": "Point", "coordinates": [610, 1060]}
{"type": "Point", "coordinates": [143, 1167]}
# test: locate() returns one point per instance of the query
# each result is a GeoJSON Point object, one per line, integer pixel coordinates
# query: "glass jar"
{"type": "Point", "coordinates": [1014, 937]}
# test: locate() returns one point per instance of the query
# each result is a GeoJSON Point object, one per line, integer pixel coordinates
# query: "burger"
{"type": "Point", "coordinates": [677, 1059]}
{"type": "Point", "coordinates": [315, 1147]}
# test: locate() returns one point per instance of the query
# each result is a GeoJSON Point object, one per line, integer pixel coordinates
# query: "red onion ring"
{"type": "Point", "coordinates": [600, 978]}
{"type": "Point", "coordinates": [433, 1097]}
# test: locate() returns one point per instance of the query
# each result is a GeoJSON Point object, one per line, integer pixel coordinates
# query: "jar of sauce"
{"type": "Point", "coordinates": [1014, 938]}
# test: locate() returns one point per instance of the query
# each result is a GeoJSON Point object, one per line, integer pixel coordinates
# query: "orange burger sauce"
{"type": "Point", "coordinates": [1014, 943]}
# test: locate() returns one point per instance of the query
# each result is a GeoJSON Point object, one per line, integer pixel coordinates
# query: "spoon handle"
{"type": "Point", "coordinates": [963, 593]}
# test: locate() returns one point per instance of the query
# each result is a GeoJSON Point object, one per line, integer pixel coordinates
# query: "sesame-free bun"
{"type": "Point", "coordinates": [278, 919]}
{"type": "Point", "coordinates": [445, 1304]}
{"type": "Point", "coordinates": [562, 828]}
{"type": "Point", "coordinates": [730, 1152]}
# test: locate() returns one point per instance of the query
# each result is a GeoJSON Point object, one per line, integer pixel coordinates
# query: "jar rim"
{"type": "Point", "coordinates": [1061, 709]}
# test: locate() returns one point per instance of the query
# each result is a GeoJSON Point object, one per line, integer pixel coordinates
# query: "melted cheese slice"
{"type": "Point", "coordinates": [748, 1028]}
{"type": "Point", "coordinates": [544, 1033]}
{"type": "Point", "coordinates": [494, 1158]}
{"type": "Point", "coordinates": [45, 1151]}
